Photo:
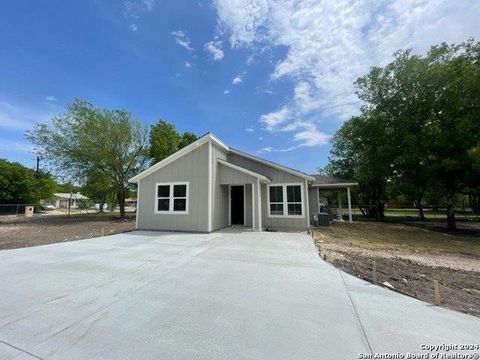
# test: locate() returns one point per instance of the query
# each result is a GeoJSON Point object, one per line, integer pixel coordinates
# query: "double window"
{"type": "Point", "coordinates": [285, 200]}
{"type": "Point", "coordinates": [172, 198]}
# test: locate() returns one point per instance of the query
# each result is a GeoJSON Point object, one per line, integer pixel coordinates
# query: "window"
{"type": "Point", "coordinates": [276, 200]}
{"type": "Point", "coordinates": [285, 200]}
{"type": "Point", "coordinates": [294, 200]}
{"type": "Point", "coordinates": [172, 198]}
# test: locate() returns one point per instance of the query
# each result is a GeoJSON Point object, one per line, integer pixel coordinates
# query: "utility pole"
{"type": "Point", "coordinates": [38, 165]}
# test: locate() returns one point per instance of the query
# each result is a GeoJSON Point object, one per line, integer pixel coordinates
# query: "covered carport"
{"type": "Point", "coordinates": [334, 184]}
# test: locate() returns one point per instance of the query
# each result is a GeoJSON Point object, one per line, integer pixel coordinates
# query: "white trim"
{"type": "Point", "coordinates": [138, 206]}
{"type": "Point", "coordinates": [230, 205]}
{"type": "Point", "coordinates": [253, 206]}
{"type": "Point", "coordinates": [243, 170]}
{"type": "Point", "coordinates": [259, 205]}
{"type": "Point", "coordinates": [172, 198]}
{"type": "Point", "coordinates": [349, 206]}
{"type": "Point", "coordinates": [182, 152]}
{"type": "Point", "coordinates": [273, 165]}
{"type": "Point", "coordinates": [336, 185]}
{"type": "Point", "coordinates": [285, 202]}
{"type": "Point", "coordinates": [307, 202]}
{"type": "Point", "coordinates": [209, 192]}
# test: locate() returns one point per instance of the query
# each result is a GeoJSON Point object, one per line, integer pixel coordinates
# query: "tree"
{"type": "Point", "coordinates": [88, 139]}
{"type": "Point", "coordinates": [98, 187]}
{"type": "Point", "coordinates": [362, 150]}
{"type": "Point", "coordinates": [20, 185]}
{"type": "Point", "coordinates": [424, 109]}
{"type": "Point", "coordinates": [165, 140]}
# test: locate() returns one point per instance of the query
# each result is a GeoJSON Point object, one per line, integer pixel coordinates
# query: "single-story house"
{"type": "Point", "coordinates": [208, 185]}
{"type": "Point", "coordinates": [61, 200]}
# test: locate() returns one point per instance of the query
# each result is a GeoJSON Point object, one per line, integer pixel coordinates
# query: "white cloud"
{"type": "Point", "coordinates": [237, 80]}
{"type": "Point", "coordinates": [18, 118]}
{"type": "Point", "coordinates": [51, 98]}
{"type": "Point", "coordinates": [267, 149]}
{"type": "Point", "coordinates": [182, 39]}
{"type": "Point", "coordinates": [330, 43]}
{"type": "Point", "coordinates": [249, 129]}
{"type": "Point", "coordinates": [273, 120]}
{"type": "Point", "coordinates": [15, 147]}
{"type": "Point", "coordinates": [226, 92]}
{"type": "Point", "coordinates": [311, 137]}
{"type": "Point", "coordinates": [135, 8]}
{"type": "Point", "coordinates": [215, 50]}
{"type": "Point", "coordinates": [133, 27]}
{"type": "Point", "coordinates": [188, 65]}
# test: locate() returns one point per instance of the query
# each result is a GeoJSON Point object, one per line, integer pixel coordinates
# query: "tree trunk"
{"type": "Point", "coordinates": [419, 204]}
{"type": "Point", "coordinates": [474, 202]}
{"type": "Point", "coordinates": [121, 202]}
{"type": "Point", "coordinates": [451, 223]}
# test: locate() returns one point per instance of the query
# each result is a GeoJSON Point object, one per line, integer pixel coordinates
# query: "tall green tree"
{"type": "Point", "coordinates": [428, 108]}
{"type": "Point", "coordinates": [165, 140]}
{"type": "Point", "coordinates": [20, 185]}
{"type": "Point", "coordinates": [89, 139]}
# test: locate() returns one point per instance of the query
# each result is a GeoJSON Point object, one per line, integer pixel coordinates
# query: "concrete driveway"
{"type": "Point", "coordinates": [226, 295]}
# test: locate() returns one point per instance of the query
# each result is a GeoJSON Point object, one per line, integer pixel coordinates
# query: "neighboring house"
{"type": "Point", "coordinates": [61, 200]}
{"type": "Point", "coordinates": [207, 186]}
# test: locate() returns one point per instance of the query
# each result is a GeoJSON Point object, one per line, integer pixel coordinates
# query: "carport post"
{"type": "Point", "coordinates": [349, 206]}
{"type": "Point", "coordinates": [339, 205]}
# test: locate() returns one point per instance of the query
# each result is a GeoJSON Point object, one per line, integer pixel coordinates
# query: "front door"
{"type": "Point", "coordinates": [237, 205]}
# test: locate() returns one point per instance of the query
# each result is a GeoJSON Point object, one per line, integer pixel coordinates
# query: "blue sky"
{"type": "Point", "coordinates": [273, 78]}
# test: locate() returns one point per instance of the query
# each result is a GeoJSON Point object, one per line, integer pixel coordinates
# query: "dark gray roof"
{"type": "Point", "coordinates": [331, 180]}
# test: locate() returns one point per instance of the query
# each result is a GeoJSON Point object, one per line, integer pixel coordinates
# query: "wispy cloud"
{"type": "Point", "coordinates": [249, 129]}
{"type": "Point", "coordinates": [15, 147]}
{"type": "Point", "coordinates": [329, 43]}
{"type": "Point", "coordinates": [133, 9]}
{"type": "Point", "coordinates": [18, 118]}
{"type": "Point", "coordinates": [226, 92]}
{"type": "Point", "coordinates": [133, 27]}
{"type": "Point", "coordinates": [215, 50]}
{"type": "Point", "coordinates": [182, 39]}
{"type": "Point", "coordinates": [237, 80]}
{"type": "Point", "coordinates": [187, 64]}
{"type": "Point", "coordinates": [51, 98]}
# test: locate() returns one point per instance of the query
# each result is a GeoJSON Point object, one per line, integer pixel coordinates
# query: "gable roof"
{"type": "Point", "coordinates": [184, 151]}
{"type": "Point", "coordinates": [209, 137]}
{"type": "Point", "coordinates": [261, 177]}
{"type": "Point", "coordinates": [274, 165]}
{"type": "Point", "coordinates": [77, 196]}
{"type": "Point", "coordinates": [326, 181]}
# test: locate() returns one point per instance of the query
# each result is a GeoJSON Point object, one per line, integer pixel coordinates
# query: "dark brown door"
{"type": "Point", "coordinates": [236, 205]}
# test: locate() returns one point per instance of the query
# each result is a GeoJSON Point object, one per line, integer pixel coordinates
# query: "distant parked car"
{"type": "Point", "coordinates": [97, 206]}
{"type": "Point", "coordinates": [48, 207]}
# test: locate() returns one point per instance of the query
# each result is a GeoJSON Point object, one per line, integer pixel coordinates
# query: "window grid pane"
{"type": "Point", "coordinates": [179, 204]}
{"type": "Point", "coordinates": [163, 191]}
{"type": "Point", "coordinates": [180, 191]}
{"type": "Point", "coordinates": [276, 194]}
{"type": "Point", "coordinates": [163, 204]}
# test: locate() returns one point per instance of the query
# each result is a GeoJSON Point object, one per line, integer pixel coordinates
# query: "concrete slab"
{"type": "Point", "coordinates": [151, 295]}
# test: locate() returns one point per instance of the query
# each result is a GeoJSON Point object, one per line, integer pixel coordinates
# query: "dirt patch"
{"type": "Point", "coordinates": [409, 259]}
{"type": "Point", "coordinates": [41, 230]}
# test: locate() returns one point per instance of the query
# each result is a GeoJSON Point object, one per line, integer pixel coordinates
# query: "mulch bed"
{"type": "Point", "coordinates": [459, 290]}
{"type": "Point", "coordinates": [48, 229]}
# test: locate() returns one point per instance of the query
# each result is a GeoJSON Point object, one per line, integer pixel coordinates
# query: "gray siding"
{"type": "Point", "coordinates": [248, 205]}
{"type": "Point", "coordinates": [277, 177]}
{"type": "Point", "coordinates": [313, 200]}
{"type": "Point", "coordinates": [193, 168]}
{"type": "Point", "coordinates": [220, 195]}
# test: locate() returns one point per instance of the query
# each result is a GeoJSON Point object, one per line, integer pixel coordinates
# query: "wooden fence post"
{"type": "Point", "coordinates": [436, 289]}
{"type": "Point", "coordinates": [374, 274]}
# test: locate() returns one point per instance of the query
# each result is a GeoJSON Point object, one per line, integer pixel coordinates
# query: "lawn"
{"type": "Point", "coordinates": [19, 232]}
{"type": "Point", "coordinates": [408, 258]}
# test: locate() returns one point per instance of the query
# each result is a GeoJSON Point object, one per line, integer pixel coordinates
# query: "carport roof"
{"type": "Point", "coordinates": [325, 181]}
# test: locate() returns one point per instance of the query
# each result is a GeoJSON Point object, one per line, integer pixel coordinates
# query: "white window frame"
{"type": "Point", "coordinates": [285, 202]}
{"type": "Point", "coordinates": [172, 198]}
